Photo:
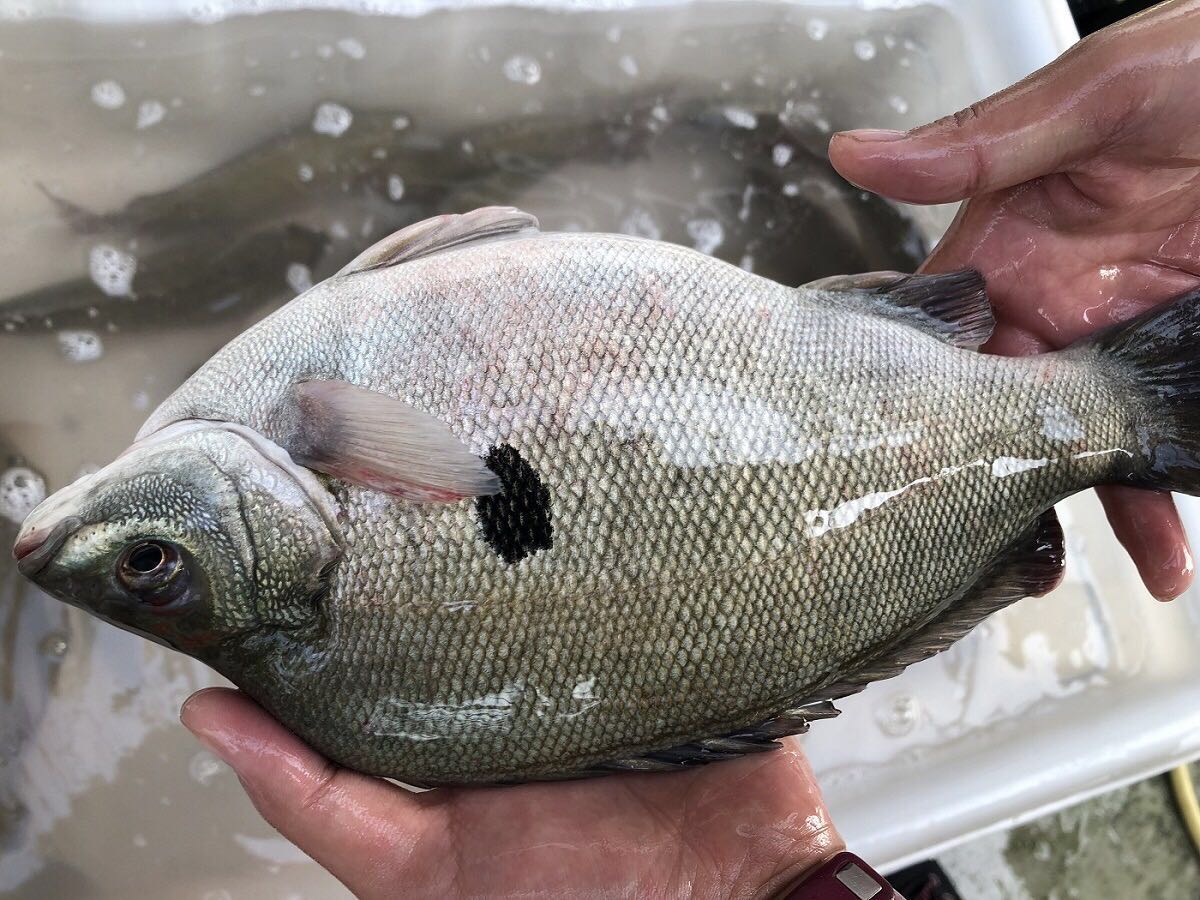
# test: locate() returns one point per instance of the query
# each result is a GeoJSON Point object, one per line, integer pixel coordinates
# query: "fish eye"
{"type": "Point", "coordinates": [145, 558]}
{"type": "Point", "coordinates": [153, 571]}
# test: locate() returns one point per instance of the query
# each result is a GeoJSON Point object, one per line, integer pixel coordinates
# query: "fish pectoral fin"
{"type": "Point", "coordinates": [380, 442]}
{"type": "Point", "coordinates": [442, 233]}
{"type": "Point", "coordinates": [953, 306]}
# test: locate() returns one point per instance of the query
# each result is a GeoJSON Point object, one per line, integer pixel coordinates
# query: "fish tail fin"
{"type": "Point", "coordinates": [1156, 358]}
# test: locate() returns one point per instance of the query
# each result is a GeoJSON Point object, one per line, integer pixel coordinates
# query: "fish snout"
{"type": "Point", "coordinates": [37, 545]}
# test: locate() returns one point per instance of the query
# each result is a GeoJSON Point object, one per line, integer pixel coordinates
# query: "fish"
{"type": "Point", "coordinates": [219, 246]}
{"type": "Point", "coordinates": [494, 504]}
{"type": "Point", "coordinates": [176, 286]}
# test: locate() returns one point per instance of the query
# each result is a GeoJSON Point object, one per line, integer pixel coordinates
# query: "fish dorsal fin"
{"type": "Point", "coordinates": [379, 442]}
{"type": "Point", "coordinates": [953, 306]}
{"type": "Point", "coordinates": [442, 233]}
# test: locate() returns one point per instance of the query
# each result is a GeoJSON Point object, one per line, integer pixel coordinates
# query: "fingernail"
{"type": "Point", "coordinates": [212, 740]}
{"type": "Point", "coordinates": [872, 135]}
{"type": "Point", "coordinates": [1176, 572]}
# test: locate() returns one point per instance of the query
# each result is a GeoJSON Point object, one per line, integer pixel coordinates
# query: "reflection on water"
{"type": "Point", "coordinates": [172, 183]}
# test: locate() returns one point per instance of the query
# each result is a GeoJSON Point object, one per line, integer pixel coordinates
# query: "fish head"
{"type": "Point", "coordinates": [194, 536]}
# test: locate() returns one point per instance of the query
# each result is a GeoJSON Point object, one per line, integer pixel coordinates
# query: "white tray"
{"type": "Point", "coordinates": [1046, 703]}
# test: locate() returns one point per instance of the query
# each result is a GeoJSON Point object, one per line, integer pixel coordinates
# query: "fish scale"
{"type": "Point", "coordinates": [617, 505]}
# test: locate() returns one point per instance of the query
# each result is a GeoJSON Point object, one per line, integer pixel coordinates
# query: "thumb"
{"type": "Point", "coordinates": [363, 830]}
{"type": "Point", "coordinates": [1060, 114]}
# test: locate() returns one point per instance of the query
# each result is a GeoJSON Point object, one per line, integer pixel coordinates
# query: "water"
{"type": "Point", "coordinates": [169, 184]}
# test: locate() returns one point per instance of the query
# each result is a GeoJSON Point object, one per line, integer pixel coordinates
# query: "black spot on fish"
{"type": "Point", "coordinates": [516, 521]}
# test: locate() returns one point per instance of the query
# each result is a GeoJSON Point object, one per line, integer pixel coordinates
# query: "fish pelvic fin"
{"type": "Point", "coordinates": [953, 307]}
{"type": "Point", "coordinates": [441, 233]}
{"type": "Point", "coordinates": [1154, 359]}
{"type": "Point", "coordinates": [380, 442]}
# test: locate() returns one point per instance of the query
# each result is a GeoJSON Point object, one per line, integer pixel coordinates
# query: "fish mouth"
{"type": "Point", "coordinates": [33, 551]}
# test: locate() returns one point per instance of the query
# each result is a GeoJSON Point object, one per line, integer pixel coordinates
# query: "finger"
{"type": "Point", "coordinates": [1148, 526]}
{"type": "Point", "coordinates": [1009, 340]}
{"type": "Point", "coordinates": [355, 826]}
{"type": "Point", "coordinates": [1058, 115]}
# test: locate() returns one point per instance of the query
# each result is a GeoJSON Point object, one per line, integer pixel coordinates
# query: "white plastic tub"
{"type": "Point", "coordinates": [108, 796]}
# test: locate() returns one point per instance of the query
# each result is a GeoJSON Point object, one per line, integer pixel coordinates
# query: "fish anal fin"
{"type": "Point", "coordinates": [381, 442]}
{"type": "Point", "coordinates": [1031, 566]}
{"type": "Point", "coordinates": [754, 739]}
{"type": "Point", "coordinates": [953, 306]}
{"type": "Point", "coordinates": [440, 233]}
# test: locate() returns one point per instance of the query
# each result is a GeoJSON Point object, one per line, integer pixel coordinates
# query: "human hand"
{"type": "Point", "coordinates": [1083, 183]}
{"type": "Point", "coordinates": [744, 828]}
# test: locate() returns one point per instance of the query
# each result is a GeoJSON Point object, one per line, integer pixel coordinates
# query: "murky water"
{"type": "Point", "coordinates": [169, 184]}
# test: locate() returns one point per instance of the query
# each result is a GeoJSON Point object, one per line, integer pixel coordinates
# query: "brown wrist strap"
{"type": "Point", "coordinates": [844, 877]}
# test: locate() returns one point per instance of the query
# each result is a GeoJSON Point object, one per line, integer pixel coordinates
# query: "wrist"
{"type": "Point", "coordinates": [841, 876]}
{"type": "Point", "coordinates": [800, 861]}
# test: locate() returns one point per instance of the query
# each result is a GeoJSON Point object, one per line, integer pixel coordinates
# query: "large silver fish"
{"type": "Point", "coordinates": [493, 505]}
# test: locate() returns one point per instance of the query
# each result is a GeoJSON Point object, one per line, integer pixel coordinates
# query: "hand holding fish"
{"type": "Point", "coordinates": [1084, 190]}
{"type": "Point", "coordinates": [742, 830]}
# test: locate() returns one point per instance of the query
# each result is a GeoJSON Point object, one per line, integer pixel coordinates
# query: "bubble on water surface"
{"type": "Point", "coordinates": [399, 123]}
{"type": "Point", "coordinates": [781, 154]}
{"type": "Point", "coordinates": [706, 234]}
{"type": "Point", "coordinates": [898, 715]}
{"type": "Point", "coordinates": [864, 49]}
{"type": "Point", "coordinates": [80, 346]}
{"type": "Point", "coordinates": [898, 103]}
{"type": "Point", "coordinates": [352, 48]}
{"type": "Point", "coordinates": [305, 172]}
{"type": "Point", "coordinates": [84, 470]}
{"type": "Point", "coordinates": [55, 645]}
{"type": "Point", "coordinates": [299, 277]}
{"type": "Point", "coordinates": [640, 223]}
{"type": "Point", "coordinates": [204, 767]}
{"type": "Point", "coordinates": [741, 117]}
{"type": "Point", "coordinates": [332, 119]}
{"type": "Point", "coordinates": [108, 94]}
{"type": "Point", "coordinates": [522, 69]}
{"type": "Point", "coordinates": [206, 13]}
{"type": "Point", "coordinates": [628, 65]}
{"type": "Point", "coordinates": [150, 112]}
{"type": "Point", "coordinates": [395, 187]}
{"type": "Point", "coordinates": [21, 489]}
{"type": "Point", "coordinates": [817, 29]}
{"type": "Point", "coordinates": [112, 270]}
